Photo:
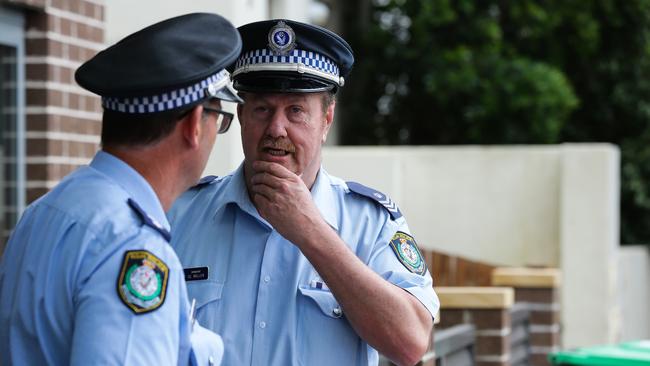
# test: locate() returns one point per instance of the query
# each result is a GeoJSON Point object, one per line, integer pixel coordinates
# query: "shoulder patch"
{"type": "Point", "coordinates": [377, 196]}
{"type": "Point", "coordinates": [205, 181]}
{"type": "Point", "coordinates": [142, 282]}
{"type": "Point", "coordinates": [407, 252]}
{"type": "Point", "coordinates": [150, 221]}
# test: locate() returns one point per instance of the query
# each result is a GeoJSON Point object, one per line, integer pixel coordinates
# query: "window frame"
{"type": "Point", "coordinates": [12, 34]}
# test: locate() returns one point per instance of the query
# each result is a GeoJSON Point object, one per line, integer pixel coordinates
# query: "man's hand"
{"type": "Point", "coordinates": [283, 199]}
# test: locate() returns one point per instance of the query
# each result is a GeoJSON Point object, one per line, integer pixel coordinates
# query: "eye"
{"type": "Point", "coordinates": [261, 111]}
{"type": "Point", "coordinates": [296, 109]}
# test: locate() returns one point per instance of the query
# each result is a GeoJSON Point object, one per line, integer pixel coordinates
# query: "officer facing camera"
{"type": "Point", "coordinates": [292, 265]}
{"type": "Point", "coordinates": [88, 275]}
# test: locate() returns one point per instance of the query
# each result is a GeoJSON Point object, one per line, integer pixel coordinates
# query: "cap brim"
{"type": "Point", "coordinates": [281, 82]}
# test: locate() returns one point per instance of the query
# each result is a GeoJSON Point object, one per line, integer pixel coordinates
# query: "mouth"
{"type": "Point", "coordinates": [276, 152]}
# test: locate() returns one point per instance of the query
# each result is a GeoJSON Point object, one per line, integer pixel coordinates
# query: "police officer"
{"type": "Point", "coordinates": [291, 265]}
{"type": "Point", "coordinates": [88, 276]}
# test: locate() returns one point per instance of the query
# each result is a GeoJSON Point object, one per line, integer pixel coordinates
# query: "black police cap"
{"type": "Point", "coordinates": [287, 56]}
{"type": "Point", "coordinates": [171, 64]}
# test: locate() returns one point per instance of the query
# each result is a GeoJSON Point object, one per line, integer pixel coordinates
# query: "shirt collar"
{"type": "Point", "coordinates": [236, 192]}
{"type": "Point", "coordinates": [133, 183]}
{"type": "Point", "coordinates": [325, 198]}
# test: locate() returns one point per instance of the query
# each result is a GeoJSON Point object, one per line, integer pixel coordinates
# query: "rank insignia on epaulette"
{"type": "Point", "coordinates": [142, 283]}
{"type": "Point", "coordinates": [205, 180]}
{"type": "Point", "coordinates": [378, 197]}
{"type": "Point", "coordinates": [149, 221]}
{"type": "Point", "coordinates": [407, 252]}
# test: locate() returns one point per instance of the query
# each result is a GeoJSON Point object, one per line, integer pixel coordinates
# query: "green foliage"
{"type": "Point", "coordinates": [497, 72]}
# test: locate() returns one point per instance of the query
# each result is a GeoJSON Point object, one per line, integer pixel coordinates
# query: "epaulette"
{"type": "Point", "coordinates": [376, 196]}
{"type": "Point", "coordinates": [205, 180]}
{"type": "Point", "coordinates": [150, 221]}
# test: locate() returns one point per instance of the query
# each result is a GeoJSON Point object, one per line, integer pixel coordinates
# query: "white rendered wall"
{"type": "Point", "coordinates": [290, 9]}
{"type": "Point", "coordinates": [589, 244]}
{"type": "Point", "coordinates": [495, 204]}
{"type": "Point", "coordinates": [125, 16]}
{"type": "Point", "coordinates": [555, 205]}
{"type": "Point", "coordinates": [634, 284]}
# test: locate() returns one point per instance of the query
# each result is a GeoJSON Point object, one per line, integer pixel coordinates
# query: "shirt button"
{"type": "Point", "coordinates": [337, 312]}
{"type": "Point", "coordinates": [262, 325]}
{"type": "Point", "coordinates": [267, 279]}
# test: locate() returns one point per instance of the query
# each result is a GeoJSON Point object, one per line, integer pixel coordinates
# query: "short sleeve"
{"type": "Point", "coordinates": [148, 325]}
{"type": "Point", "coordinates": [395, 258]}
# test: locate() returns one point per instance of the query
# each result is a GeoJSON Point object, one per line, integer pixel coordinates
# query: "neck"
{"type": "Point", "coordinates": [309, 175]}
{"type": "Point", "coordinates": [156, 169]}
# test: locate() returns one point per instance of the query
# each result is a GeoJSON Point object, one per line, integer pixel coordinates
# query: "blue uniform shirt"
{"type": "Point", "coordinates": [64, 270]}
{"type": "Point", "coordinates": [260, 293]}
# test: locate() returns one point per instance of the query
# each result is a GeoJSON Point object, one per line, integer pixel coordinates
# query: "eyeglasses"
{"type": "Point", "coordinates": [223, 118]}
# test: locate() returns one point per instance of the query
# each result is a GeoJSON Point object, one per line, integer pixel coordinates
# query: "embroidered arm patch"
{"type": "Point", "coordinates": [142, 282]}
{"type": "Point", "coordinates": [407, 252]}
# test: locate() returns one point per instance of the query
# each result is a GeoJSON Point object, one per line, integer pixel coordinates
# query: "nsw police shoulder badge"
{"type": "Point", "coordinates": [407, 252]}
{"type": "Point", "coordinates": [142, 283]}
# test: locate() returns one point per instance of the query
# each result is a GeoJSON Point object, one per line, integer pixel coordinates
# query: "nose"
{"type": "Point", "coordinates": [277, 126]}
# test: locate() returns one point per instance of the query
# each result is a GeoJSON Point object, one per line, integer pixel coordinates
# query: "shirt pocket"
{"type": "Point", "coordinates": [322, 332]}
{"type": "Point", "coordinates": [325, 301]}
{"type": "Point", "coordinates": [208, 301]}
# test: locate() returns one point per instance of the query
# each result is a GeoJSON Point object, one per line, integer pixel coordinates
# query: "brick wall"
{"type": "Point", "coordinates": [517, 319]}
{"type": "Point", "coordinates": [450, 270]}
{"type": "Point", "coordinates": [538, 288]}
{"type": "Point", "coordinates": [489, 310]}
{"type": "Point", "coordinates": [62, 119]}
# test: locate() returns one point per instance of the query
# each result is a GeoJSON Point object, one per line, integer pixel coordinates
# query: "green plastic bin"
{"type": "Point", "coordinates": [625, 354]}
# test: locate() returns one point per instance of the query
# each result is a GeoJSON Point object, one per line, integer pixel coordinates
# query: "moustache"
{"type": "Point", "coordinates": [279, 144]}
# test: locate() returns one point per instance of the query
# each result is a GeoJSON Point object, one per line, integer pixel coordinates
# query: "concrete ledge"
{"type": "Point", "coordinates": [526, 277]}
{"type": "Point", "coordinates": [475, 297]}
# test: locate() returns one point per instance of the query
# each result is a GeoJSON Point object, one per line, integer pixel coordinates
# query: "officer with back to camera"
{"type": "Point", "coordinates": [293, 266]}
{"type": "Point", "coordinates": [88, 276]}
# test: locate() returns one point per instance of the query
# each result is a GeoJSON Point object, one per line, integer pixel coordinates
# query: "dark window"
{"type": "Point", "coordinates": [12, 160]}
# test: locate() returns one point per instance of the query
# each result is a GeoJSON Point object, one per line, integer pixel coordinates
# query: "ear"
{"type": "Point", "coordinates": [240, 109]}
{"type": "Point", "coordinates": [329, 119]}
{"type": "Point", "coordinates": [191, 126]}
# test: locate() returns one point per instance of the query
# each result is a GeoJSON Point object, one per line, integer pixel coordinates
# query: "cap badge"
{"type": "Point", "coordinates": [282, 38]}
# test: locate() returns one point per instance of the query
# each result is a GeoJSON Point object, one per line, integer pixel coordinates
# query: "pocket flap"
{"type": "Point", "coordinates": [324, 299]}
{"type": "Point", "coordinates": [204, 292]}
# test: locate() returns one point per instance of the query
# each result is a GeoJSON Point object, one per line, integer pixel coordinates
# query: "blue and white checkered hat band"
{"type": "Point", "coordinates": [169, 100]}
{"type": "Point", "coordinates": [296, 60]}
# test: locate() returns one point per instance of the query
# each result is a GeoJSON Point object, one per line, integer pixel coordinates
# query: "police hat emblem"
{"type": "Point", "coordinates": [282, 39]}
{"type": "Point", "coordinates": [142, 283]}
